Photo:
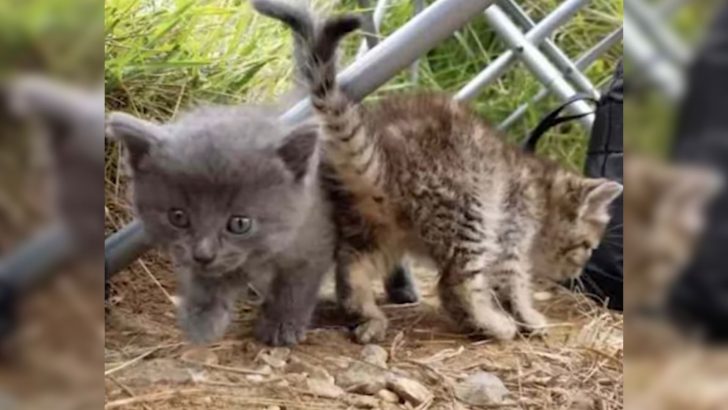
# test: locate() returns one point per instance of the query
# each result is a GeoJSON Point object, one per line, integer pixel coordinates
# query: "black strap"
{"type": "Point", "coordinates": [553, 119]}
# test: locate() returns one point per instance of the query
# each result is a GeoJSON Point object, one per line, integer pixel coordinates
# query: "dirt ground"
{"type": "Point", "coordinates": [149, 366]}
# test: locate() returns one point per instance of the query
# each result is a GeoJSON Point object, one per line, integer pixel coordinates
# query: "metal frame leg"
{"type": "Point", "coordinates": [583, 62]}
{"type": "Point", "coordinates": [534, 36]}
{"type": "Point", "coordinates": [538, 64]}
{"type": "Point", "coordinates": [562, 61]}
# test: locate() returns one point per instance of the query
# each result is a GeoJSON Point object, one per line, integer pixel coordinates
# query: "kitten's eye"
{"type": "Point", "coordinates": [239, 225]}
{"type": "Point", "coordinates": [178, 218]}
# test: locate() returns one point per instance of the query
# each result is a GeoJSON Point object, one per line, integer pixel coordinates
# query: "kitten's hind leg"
{"type": "Point", "coordinates": [355, 293]}
{"type": "Point", "coordinates": [400, 285]}
{"type": "Point", "coordinates": [469, 300]}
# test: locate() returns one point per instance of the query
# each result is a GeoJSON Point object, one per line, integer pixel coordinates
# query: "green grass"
{"type": "Point", "coordinates": [164, 55]}
{"type": "Point", "coordinates": [59, 37]}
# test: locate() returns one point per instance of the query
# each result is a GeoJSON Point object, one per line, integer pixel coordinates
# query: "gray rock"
{"type": "Point", "coordinates": [388, 396]}
{"type": "Point", "coordinates": [275, 358]}
{"type": "Point", "coordinates": [375, 355]}
{"type": "Point", "coordinates": [362, 378]}
{"type": "Point", "coordinates": [322, 388]}
{"type": "Point", "coordinates": [409, 390]}
{"type": "Point", "coordinates": [480, 389]}
{"type": "Point", "coordinates": [361, 401]}
{"type": "Point", "coordinates": [296, 365]}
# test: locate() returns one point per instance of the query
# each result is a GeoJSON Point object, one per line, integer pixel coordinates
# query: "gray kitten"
{"type": "Point", "coordinates": [236, 196]}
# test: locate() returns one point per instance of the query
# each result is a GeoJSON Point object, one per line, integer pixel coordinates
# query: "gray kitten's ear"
{"type": "Point", "coordinates": [600, 193]}
{"type": "Point", "coordinates": [298, 150]}
{"type": "Point", "coordinates": [137, 135]}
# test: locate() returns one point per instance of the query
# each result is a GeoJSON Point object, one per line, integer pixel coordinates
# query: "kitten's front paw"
{"type": "Point", "coordinates": [204, 325]}
{"type": "Point", "coordinates": [372, 330]}
{"type": "Point", "coordinates": [279, 332]}
{"type": "Point", "coordinates": [501, 328]}
{"type": "Point", "coordinates": [534, 323]}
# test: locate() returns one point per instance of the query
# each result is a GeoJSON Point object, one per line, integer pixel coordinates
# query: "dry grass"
{"type": "Point", "coordinates": [148, 365]}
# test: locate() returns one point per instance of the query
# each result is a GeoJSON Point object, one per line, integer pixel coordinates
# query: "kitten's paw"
{"type": "Point", "coordinates": [534, 323]}
{"type": "Point", "coordinates": [204, 325]}
{"type": "Point", "coordinates": [279, 332]}
{"type": "Point", "coordinates": [370, 331]}
{"type": "Point", "coordinates": [500, 328]}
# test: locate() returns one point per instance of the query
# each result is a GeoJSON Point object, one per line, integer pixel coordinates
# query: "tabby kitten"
{"type": "Point", "coordinates": [236, 196]}
{"type": "Point", "coordinates": [430, 178]}
{"type": "Point", "coordinates": [664, 213]}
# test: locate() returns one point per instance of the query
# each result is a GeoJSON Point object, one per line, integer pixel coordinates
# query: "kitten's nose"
{"type": "Point", "coordinates": [203, 259]}
{"type": "Point", "coordinates": [204, 252]}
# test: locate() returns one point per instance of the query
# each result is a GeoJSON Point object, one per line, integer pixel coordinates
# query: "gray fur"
{"type": "Point", "coordinates": [216, 162]}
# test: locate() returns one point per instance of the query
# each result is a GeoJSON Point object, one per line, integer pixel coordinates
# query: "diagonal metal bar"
{"type": "Point", "coordinates": [369, 28]}
{"type": "Point", "coordinates": [652, 25]}
{"type": "Point", "coordinates": [651, 62]}
{"type": "Point", "coordinates": [537, 63]}
{"type": "Point", "coordinates": [562, 61]}
{"type": "Point", "coordinates": [534, 36]}
{"type": "Point", "coordinates": [33, 261]}
{"type": "Point", "coordinates": [581, 63]}
{"type": "Point", "coordinates": [373, 25]}
{"type": "Point", "coordinates": [365, 75]}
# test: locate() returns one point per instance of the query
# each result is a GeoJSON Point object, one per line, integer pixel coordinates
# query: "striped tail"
{"type": "Point", "coordinates": [353, 152]}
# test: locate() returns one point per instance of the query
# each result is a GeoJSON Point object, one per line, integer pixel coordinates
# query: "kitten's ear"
{"type": "Point", "coordinates": [137, 135]}
{"type": "Point", "coordinates": [600, 193]}
{"type": "Point", "coordinates": [298, 150]}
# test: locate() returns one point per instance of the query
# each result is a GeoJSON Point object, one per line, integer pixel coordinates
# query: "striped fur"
{"type": "Point", "coordinates": [426, 176]}
{"type": "Point", "coordinates": [354, 154]}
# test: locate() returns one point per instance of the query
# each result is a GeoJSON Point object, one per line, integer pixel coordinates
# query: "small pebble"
{"type": "Point", "coordinates": [481, 389]}
{"type": "Point", "coordinates": [323, 388]}
{"type": "Point", "coordinates": [388, 396]}
{"type": "Point", "coordinates": [375, 354]}
{"type": "Point", "coordinates": [409, 390]}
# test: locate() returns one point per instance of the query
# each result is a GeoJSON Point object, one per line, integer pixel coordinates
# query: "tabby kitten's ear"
{"type": "Point", "coordinates": [298, 150]}
{"type": "Point", "coordinates": [137, 135]}
{"type": "Point", "coordinates": [599, 194]}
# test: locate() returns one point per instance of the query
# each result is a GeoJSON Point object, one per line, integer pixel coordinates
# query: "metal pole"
{"type": "Point", "coordinates": [537, 63]}
{"type": "Point", "coordinates": [36, 259]}
{"type": "Point", "coordinates": [124, 246]}
{"type": "Point", "coordinates": [365, 75]}
{"type": "Point", "coordinates": [559, 58]}
{"type": "Point", "coordinates": [369, 28]}
{"type": "Point", "coordinates": [583, 62]}
{"type": "Point", "coordinates": [651, 22]}
{"type": "Point", "coordinates": [377, 17]}
{"type": "Point", "coordinates": [650, 62]}
{"type": "Point", "coordinates": [534, 36]}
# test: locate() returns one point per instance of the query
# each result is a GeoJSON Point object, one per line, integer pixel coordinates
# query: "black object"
{"type": "Point", "coordinates": [553, 119]}
{"type": "Point", "coordinates": [8, 310]}
{"type": "Point", "coordinates": [603, 275]}
{"type": "Point", "coordinates": [699, 299]}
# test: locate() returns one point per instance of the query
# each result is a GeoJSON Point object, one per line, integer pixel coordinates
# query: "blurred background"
{"type": "Point", "coordinates": [675, 236]}
{"type": "Point", "coordinates": [51, 204]}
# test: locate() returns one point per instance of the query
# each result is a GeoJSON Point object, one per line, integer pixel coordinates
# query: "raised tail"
{"type": "Point", "coordinates": [353, 152]}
